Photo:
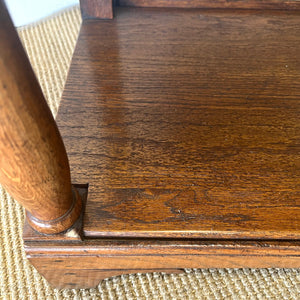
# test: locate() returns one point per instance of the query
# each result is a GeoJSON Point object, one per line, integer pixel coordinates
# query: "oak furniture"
{"type": "Point", "coordinates": [180, 123]}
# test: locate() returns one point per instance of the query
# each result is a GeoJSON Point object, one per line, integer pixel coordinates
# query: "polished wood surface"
{"type": "Point", "coordinates": [182, 130]}
{"type": "Point", "coordinates": [34, 167]}
{"type": "Point", "coordinates": [96, 9]}
{"type": "Point", "coordinates": [185, 123]}
{"type": "Point", "coordinates": [241, 4]}
{"type": "Point", "coordinates": [84, 264]}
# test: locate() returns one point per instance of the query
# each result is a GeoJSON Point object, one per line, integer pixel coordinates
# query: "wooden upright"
{"type": "Point", "coordinates": [34, 166]}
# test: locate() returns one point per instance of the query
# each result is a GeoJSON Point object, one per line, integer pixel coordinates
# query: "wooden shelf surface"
{"type": "Point", "coordinates": [185, 123]}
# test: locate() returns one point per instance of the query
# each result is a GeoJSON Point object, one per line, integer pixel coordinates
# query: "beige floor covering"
{"type": "Point", "coordinates": [50, 45]}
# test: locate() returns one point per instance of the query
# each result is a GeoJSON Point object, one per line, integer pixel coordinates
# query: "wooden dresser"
{"type": "Point", "coordinates": [180, 121]}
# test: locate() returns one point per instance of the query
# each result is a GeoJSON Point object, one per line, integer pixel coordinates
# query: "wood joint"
{"type": "Point", "coordinates": [35, 229]}
{"type": "Point", "coordinates": [59, 224]}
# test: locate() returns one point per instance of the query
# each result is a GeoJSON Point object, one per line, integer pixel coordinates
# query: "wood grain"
{"type": "Point", "coordinates": [34, 166]}
{"type": "Point", "coordinates": [240, 4]}
{"type": "Point", "coordinates": [86, 278]}
{"type": "Point", "coordinates": [84, 264]}
{"type": "Point", "coordinates": [96, 9]}
{"type": "Point", "coordinates": [185, 123]}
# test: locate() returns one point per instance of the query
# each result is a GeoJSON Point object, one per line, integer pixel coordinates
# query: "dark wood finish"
{"type": "Point", "coordinates": [243, 4]}
{"type": "Point", "coordinates": [84, 278]}
{"type": "Point", "coordinates": [96, 9]}
{"type": "Point", "coordinates": [185, 124]}
{"type": "Point", "coordinates": [84, 264]}
{"type": "Point", "coordinates": [34, 167]}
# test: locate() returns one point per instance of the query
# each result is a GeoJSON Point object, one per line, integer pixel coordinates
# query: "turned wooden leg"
{"type": "Point", "coordinates": [34, 166]}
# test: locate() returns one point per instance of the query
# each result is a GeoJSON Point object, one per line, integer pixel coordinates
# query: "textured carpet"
{"type": "Point", "coordinates": [49, 45]}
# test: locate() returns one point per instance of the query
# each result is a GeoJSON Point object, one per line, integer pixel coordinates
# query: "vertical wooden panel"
{"type": "Point", "coordinates": [96, 9]}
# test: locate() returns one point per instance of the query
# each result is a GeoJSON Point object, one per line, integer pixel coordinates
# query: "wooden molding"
{"type": "Point", "coordinates": [244, 4]}
{"type": "Point", "coordinates": [96, 9]}
{"type": "Point", "coordinates": [84, 264]}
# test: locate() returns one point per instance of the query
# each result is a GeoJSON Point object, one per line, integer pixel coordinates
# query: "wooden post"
{"type": "Point", "coordinates": [96, 9]}
{"type": "Point", "coordinates": [34, 166]}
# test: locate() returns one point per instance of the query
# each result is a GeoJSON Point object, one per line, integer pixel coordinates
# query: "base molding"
{"type": "Point", "coordinates": [72, 260]}
{"type": "Point", "coordinates": [82, 264]}
{"type": "Point", "coordinates": [89, 278]}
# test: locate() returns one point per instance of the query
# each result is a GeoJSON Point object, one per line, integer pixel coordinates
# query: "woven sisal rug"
{"type": "Point", "coordinates": [49, 45]}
